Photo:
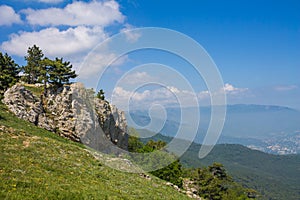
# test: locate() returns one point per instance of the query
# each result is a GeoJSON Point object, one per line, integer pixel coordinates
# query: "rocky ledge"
{"type": "Point", "coordinates": [72, 112]}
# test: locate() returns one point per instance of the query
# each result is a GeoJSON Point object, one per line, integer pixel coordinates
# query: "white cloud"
{"type": "Point", "coordinates": [230, 89]}
{"type": "Point", "coordinates": [84, 25]}
{"type": "Point", "coordinates": [8, 16]}
{"type": "Point", "coordinates": [97, 62]}
{"type": "Point", "coordinates": [54, 42]}
{"type": "Point", "coordinates": [170, 96]}
{"type": "Point", "coordinates": [136, 78]}
{"type": "Point", "coordinates": [165, 96]}
{"type": "Point", "coordinates": [204, 94]}
{"type": "Point", "coordinates": [131, 36]}
{"type": "Point", "coordinates": [121, 97]}
{"type": "Point", "coordinates": [286, 87]}
{"type": "Point", "coordinates": [78, 13]}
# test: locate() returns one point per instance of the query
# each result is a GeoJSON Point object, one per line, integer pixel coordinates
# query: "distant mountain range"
{"type": "Point", "coordinates": [272, 129]}
{"type": "Point", "coordinates": [274, 176]}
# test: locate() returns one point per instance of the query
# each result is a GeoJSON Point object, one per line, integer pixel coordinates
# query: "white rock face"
{"type": "Point", "coordinates": [72, 112]}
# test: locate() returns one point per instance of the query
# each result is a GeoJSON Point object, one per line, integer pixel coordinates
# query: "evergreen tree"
{"type": "Point", "coordinates": [55, 72]}
{"type": "Point", "coordinates": [171, 173]}
{"type": "Point", "coordinates": [134, 143]}
{"type": "Point", "coordinates": [33, 68]}
{"type": "Point", "coordinates": [9, 71]}
{"type": "Point", "coordinates": [100, 95]}
{"type": "Point", "coordinates": [46, 66]}
{"type": "Point", "coordinates": [61, 72]}
{"type": "Point", "coordinates": [214, 183]}
{"type": "Point", "coordinates": [218, 170]}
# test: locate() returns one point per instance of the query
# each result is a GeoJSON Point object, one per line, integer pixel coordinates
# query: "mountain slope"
{"type": "Point", "coordinates": [37, 164]}
{"type": "Point", "coordinates": [274, 176]}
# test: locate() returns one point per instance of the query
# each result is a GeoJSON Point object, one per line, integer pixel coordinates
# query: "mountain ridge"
{"type": "Point", "coordinates": [273, 129]}
{"type": "Point", "coordinates": [274, 176]}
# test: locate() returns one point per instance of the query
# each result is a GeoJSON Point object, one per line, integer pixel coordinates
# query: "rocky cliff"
{"type": "Point", "coordinates": [72, 112]}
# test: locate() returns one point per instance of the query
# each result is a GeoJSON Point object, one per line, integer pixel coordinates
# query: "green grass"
{"type": "Point", "coordinates": [37, 164]}
{"type": "Point", "coordinates": [36, 90]}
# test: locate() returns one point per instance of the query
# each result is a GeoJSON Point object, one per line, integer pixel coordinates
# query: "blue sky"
{"type": "Point", "coordinates": [255, 44]}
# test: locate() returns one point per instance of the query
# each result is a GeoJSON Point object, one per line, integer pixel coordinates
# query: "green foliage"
{"type": "Point", "coordinates": [152, 145]}
{"type": "Point", "coordinates": [218, 170]}
{"type": "Point", "coordinates": [32, 70]}
{"type": "Point", "coordinates": [56, 72]}
{"type": "Point", "coordinates": [61, 72]}
{"type": "Point", "coordinates": [172, 171]}
{"type": "Point", "coordinates": [44, 70]}
{"type": "Point", "coordinates": [100, 95]}
{"type": "Point", "coordinates": [134, 143]}
{"type": "Point", "coordinates": [272, 176]}
{"type": "Point", "coordinates": [9, 71]}
{"type": "Point", "coordinates": [38, 164]}
{"type": "Point", "coordinates": [213, 183]}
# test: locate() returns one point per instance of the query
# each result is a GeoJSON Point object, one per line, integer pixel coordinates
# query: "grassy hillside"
{"type": "Point", "coordinates": [37, 164]}
{"type": "Point", "coordinates": [274, 176]}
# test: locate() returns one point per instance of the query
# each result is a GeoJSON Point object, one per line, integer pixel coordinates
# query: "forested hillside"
{"type": "Point", "coordinates": [273, 176]}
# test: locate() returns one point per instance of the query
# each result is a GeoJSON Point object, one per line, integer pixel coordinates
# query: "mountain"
{"type": "Point", "coordinates": [274, 176]}
{"type": "Point", "coordinates": [38, 164]}
{"type": "Point", "coordinates": [272, 129]}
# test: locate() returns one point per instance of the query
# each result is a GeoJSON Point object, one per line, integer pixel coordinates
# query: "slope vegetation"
{"type": "Point", "coordinates": [273, 176]}
{"type": "Point", "coordinates": [37, 164]}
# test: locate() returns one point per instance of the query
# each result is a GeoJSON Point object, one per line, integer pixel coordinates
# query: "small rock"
{"type": "Point", "coordinates": [169, 184]}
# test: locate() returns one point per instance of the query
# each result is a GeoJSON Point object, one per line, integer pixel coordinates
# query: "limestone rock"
{"type": "Point", "coordinates": [72, 112]}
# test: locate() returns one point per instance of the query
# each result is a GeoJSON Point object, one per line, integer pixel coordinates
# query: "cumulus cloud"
{"type": "Point", "coordinates": [169, 96]}
{"type": "Point", "coordinates": [286, 87]}
{"type": "Point", "coordinates": [69, 32]}
{"type": "Point", "coordinates": [94, 13]}
{"type": "Point", "coordinates": [55, 42]}
{"type": "Point", "coordinates": [8, 16]}
{"type": "Point", "coordinates": [142, 99]}
{"type": "Point", "coordinates": [230, 89]}
{"type": "Point", "coordinates": [165, 96]}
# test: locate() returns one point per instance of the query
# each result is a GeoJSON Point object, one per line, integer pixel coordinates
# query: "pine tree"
{"type": "Point", "coordinates": [55, 73]}
{"type": "Point", "coordinates": [9, 71]}
{"type": "Point", "coordinates": [33, 67]}
{"type": "Point", "coordinates": [61, 72]}
{"type": "Point", "coordinates": [100, 95]}
{"type": "Point", "coordinates": [46, 66]}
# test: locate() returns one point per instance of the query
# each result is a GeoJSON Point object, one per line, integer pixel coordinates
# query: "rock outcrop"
{"type": "Point", "coordinates": [72, 112]}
